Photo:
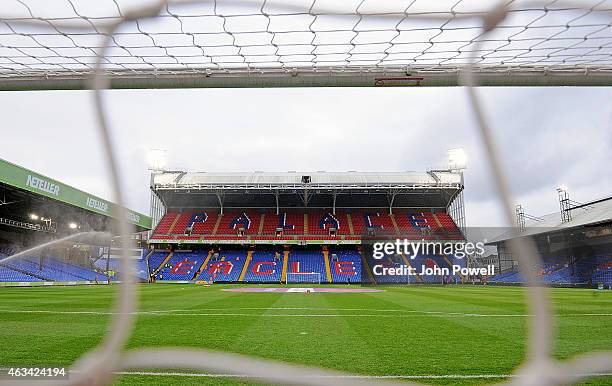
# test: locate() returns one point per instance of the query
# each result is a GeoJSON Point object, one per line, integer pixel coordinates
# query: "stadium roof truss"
{"type": "Point", "coordinates": [590, 215]}
{"type": "Point", "coordinates": [438, 190]}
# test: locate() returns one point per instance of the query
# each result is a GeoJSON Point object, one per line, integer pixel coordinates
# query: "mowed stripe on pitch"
{"type": "Point", "coordinates": [400, 314]}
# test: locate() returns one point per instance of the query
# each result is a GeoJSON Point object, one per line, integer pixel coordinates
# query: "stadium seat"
{"type": "Point", "coordinates": [225, 266]}
{"type": "Point", "coordinates": [182, 265]}
{"type": "Point", "coordinates": [265, 267]}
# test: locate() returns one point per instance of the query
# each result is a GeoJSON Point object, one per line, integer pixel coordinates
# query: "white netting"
{"type": "Point", "coordinates": [217, 37]}
{"type": "Point", "coordinates": [549, 34]}
{"type": "Point", "coordinates": [304, 277]}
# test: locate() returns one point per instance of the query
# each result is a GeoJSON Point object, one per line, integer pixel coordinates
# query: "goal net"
{"type": "Point", "coordinates": [304, 277]}
{"type": "Point", "coordinates": [79, 44]}
{"type": "Point", "coordinates": [254, 43]}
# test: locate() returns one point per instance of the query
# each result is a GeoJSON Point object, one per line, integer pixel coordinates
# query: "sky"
{"type": "Point", "coordinates": [547, 137]}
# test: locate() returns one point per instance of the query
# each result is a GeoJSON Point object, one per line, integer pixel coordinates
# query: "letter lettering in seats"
{"type": "Point", "coordinates": [418, 221]}
{"type": "Point", "coordinates": [329, 221]}
{"type": "Point", "coordinates": [367, 219]}
{"type": "Point", "coordinates": [345, 268]}
{"type": "Point", "coordinates": [242, 221]}
{"type": "Point", "coordinates": [295, 267]}
{"type": "Point", "coordinates": [282, 222]}
{"type": "Point", "coordinates": [183, 267]}
{"type": "Point", "coordinates": [197, 217]}
{"type": "Point", "coordinates": [258, 270]}
{"type": "Point", "coordinates": [224, 267]}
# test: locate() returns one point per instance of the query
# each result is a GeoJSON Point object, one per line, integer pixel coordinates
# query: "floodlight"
{"type": "Point", "coordinates": [73, 225]}
{"type": "Point", "coordinates": [457, 159]}
{"type": "Point", "coordinates": [34, 216]}
{"type": "Point", "coordinates": [562, 188]}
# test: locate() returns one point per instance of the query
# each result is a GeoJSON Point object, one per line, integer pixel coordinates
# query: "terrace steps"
{"type": "Point", "coordinates": [285, 262]}
{"type": "Point", "coordinates": [350, 224]}
{"type": "Point", "coordinates": [397, 230]}
{"type": "Point", "coordinates": [246, 265]}
{"type": "Point", "coordinates": [203, 266]}
{"type": "Point", "coordinates": [262, 218]}
{"type": "Point", "coordinates": [364, 261]}
{"type": "Point", "coordinates": [407, 262]}
{"type": "Point", "coordinates": [450, 264]}
{"type": "Point", "coordinates": [328, 274]}
{"type": "Point", "coordinates": [219, 217]}
{"type": "Point", "coordinates": [171, 228]}
{"type": "Point", "coordinates": [161, 265]}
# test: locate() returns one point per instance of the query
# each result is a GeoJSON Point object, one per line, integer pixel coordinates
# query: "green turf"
{"type": "Point", "coordinates": [413, 330]}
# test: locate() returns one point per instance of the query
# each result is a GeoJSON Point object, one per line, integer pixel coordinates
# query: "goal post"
{"type": "Point", "coordinates": [303, 277]}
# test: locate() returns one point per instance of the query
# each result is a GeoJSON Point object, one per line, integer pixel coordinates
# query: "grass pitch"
{"type": "Point", "coordinates": [446, 335]}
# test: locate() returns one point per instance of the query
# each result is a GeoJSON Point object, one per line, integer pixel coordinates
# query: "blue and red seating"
{"type": "Point", "coordinates": [182, 265]}
{"type": "Point", "coordinates": [226, 266]}
{"type": "Point", "coordinates": [233, 221]}
{"type": "Point", "coordinates": [203, 223]}
{"type": "Point", "coordinates": [265, 266]}
{"type": "Point", "coordinates": [320, 222]}
{"type": "Point", "coordinates": [306, 262]}
{"type": "Point", "coordinates": [371, 218]}
{"type": "Point", "coordinates": [200, 225]}
{"type": "Point", "coordinates": [345, 266]}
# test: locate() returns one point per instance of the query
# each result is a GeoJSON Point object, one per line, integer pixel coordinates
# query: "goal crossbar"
{"type": "Point", "coordinates": [308, 78]}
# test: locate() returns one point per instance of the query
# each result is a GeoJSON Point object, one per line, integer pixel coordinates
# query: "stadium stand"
{"type": "Point", "coordinates": [156, 259]}
{"type": "Point", "coordinates": [322, 222]}
{"type": "Point", "coordinates": [50, 269]}
{"type": "Point", "coordinates": [264, 224]}
{"type": "Point", "coordinates": [301, 263]}
{"type": "Point", "coordinates": [232, 223]}
{"type": "Point", "coordinates": [203, 223]}
{"type": "Point", "coordinates": [114, 264]}
{"type": "Point", "coordinates": [345, 266]}
{"type": "Point", "coordinates": [265, 267]}
{"type": "Point", "coordinates": [374, 219]}
{"type": "Point", "coordinates": [9, 275]}
{"type": "Point", "coordinates": [224, 266]}
{"type": "Point", "coordinates": [180, 224]}
{"type": "Point", "coordinates": [561, 271]}
{"type": "Point", "coordinates": [166, 223]}
{"type": "Point", "coordinates": [182, 265]}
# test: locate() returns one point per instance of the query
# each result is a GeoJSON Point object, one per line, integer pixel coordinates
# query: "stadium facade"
{"type": "Point", "coordinates": [36, 210]}
{"type": "Point", "coordinates": [296, 226]}
{"type": "Point", "coordinates": [575, 244]}
{"type": "Point", "coordinates": [291, 227]}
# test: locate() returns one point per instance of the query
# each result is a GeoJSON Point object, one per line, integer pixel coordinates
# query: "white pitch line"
{"type": "Point", "coordinates": [433, 376]}
{"type": "Point", "coordinates": [408, 314]}
{"type": "Point", "coordinates": [344, 376]}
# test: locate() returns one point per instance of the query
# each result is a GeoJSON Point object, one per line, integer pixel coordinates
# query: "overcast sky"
{"type": "Point", "coordinates": [549, 136]}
